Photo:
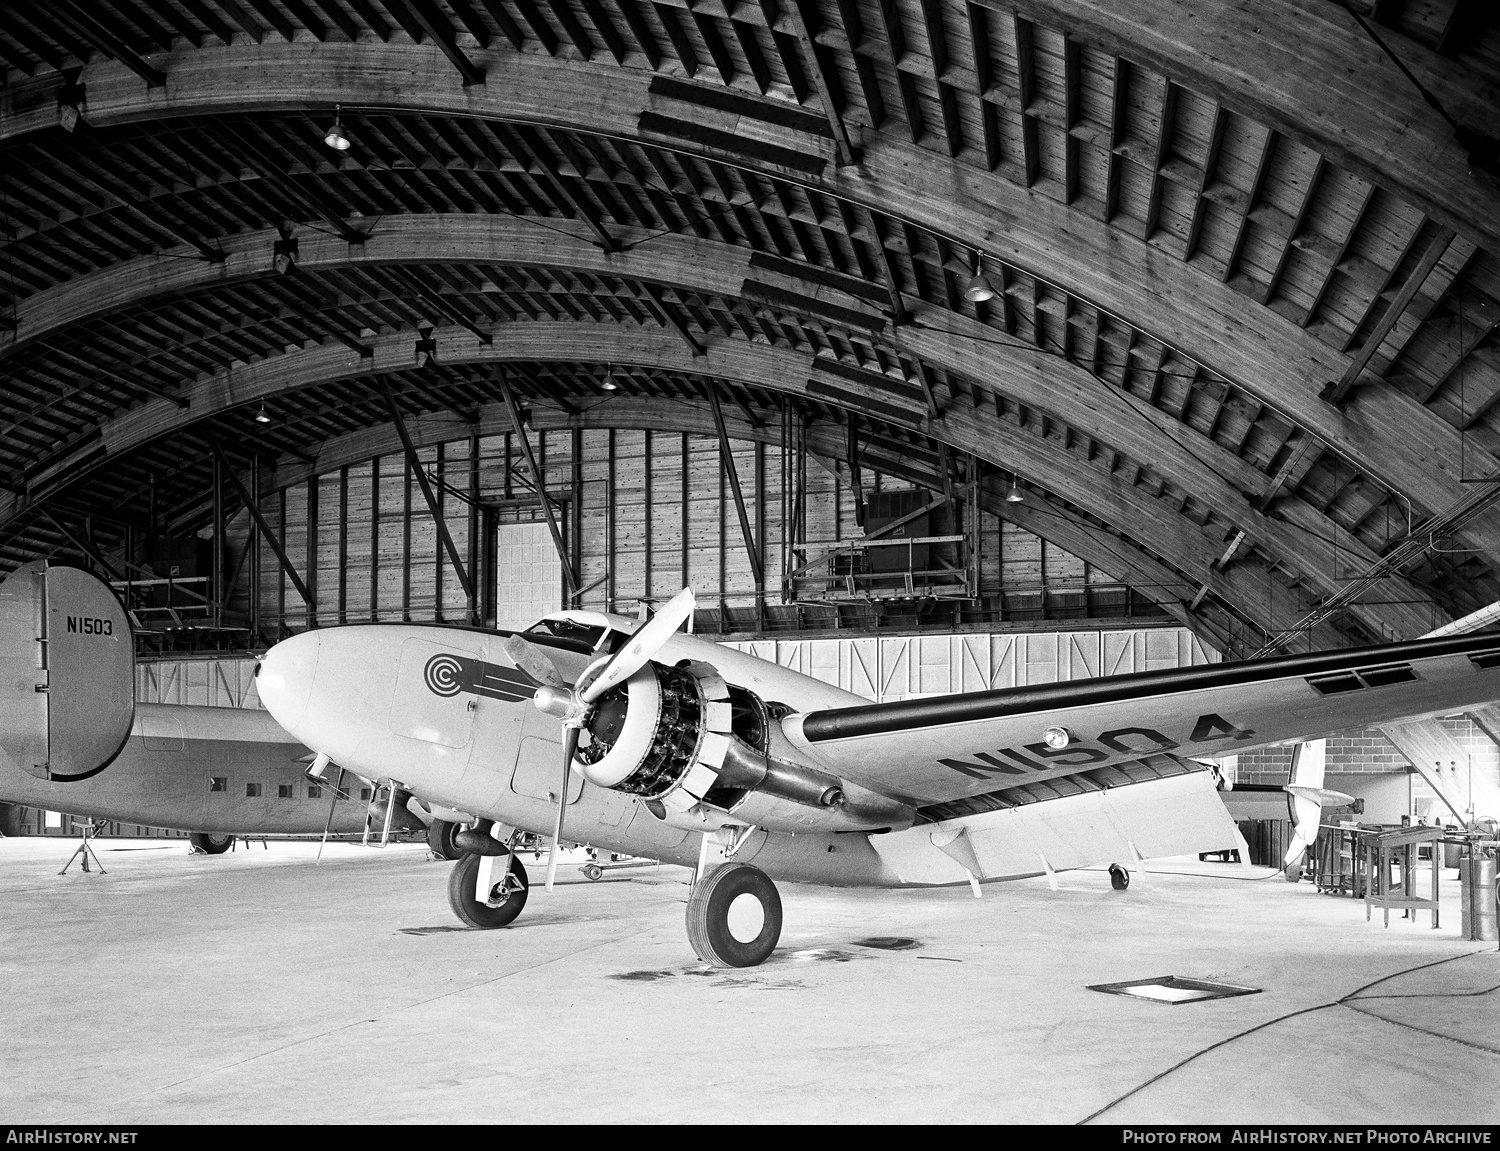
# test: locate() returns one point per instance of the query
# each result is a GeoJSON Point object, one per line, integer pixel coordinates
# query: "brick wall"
{"type": "Point", "coordinates": [1368, 751]}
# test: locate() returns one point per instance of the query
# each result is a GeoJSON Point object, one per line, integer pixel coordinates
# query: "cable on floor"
{"type": "Point", "coordinates": [1343, 1001]}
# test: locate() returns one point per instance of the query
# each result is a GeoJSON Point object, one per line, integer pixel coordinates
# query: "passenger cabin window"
{"type": "Point", "coordinates": [314, 791]}
{"type": "Point", "coordinates": [283, 791]}
{"type": "Point", "coordinates": [218, 783]}
{"type": "Point", "coordinates": [364, 794]}
{"type": "Point", "coordinates": [252, 790]}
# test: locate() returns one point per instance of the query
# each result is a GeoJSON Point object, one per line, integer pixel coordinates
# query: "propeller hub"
{"type": "Point", "coordinates": [557, 701]}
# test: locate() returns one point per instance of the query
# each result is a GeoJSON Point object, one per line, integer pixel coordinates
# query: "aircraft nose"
{"type": "Point", "coordinates": [285, 678]}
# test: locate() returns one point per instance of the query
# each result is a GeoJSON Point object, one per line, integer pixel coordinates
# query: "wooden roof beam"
{"type": "Point", "coordinates": [436, 25]}
{"type": "Point", "coordinates": [848, 154]}
{"type": "Point", "coordinates": [1337, 393]}
{"type": "Point", "coordinates": [90, 25]}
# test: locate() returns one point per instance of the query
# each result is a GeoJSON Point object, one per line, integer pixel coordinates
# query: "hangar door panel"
{"type": "Point", "coordinates": [528, 574]}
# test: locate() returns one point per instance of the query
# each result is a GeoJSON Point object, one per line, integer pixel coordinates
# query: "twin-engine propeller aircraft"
{"type": "Point", "coordinates": [673, 747]}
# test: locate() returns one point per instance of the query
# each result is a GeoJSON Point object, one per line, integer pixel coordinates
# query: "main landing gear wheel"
{"type": "Point", "coordinates": [1119, 878]}
{"type": "Point", "coordinates": [734, 916]}
{"type": "Point", "coordinates": [210, 844]}
{"type": "Point", "coordinates": [1293, 872]}
{"type": "Point", "coordinates": [592, 872]}
{"type": "Point", "coordinates": [506, 898]}
{"type": "Point", "coordinates": [440, 835]}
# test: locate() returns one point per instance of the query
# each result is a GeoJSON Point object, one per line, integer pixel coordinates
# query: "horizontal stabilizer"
{"type": "Point", "coordinates": [1321, 795]}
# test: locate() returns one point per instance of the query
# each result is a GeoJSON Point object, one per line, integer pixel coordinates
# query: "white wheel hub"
{"type": "Point", "coordinates": [745, 918]}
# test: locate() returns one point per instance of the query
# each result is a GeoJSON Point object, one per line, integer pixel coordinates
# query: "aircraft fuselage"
{"type": "Point", "coordinates": [195, 769]}
{"type": "Point", "coordinates": [413, 704]}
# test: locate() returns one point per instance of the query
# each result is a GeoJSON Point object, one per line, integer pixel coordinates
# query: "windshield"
{"type": "Point", "coordinates": [583, 633]}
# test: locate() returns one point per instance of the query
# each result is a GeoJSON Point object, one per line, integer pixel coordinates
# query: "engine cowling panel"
{"type": "Point", "coordinates": [701, 752]}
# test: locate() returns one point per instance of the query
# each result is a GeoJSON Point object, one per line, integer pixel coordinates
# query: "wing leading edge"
{"type": "Point", "coordinates": [936, 750]}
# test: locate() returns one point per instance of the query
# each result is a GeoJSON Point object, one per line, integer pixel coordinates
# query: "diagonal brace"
{"type": "Point", "coordinates": [253, 507]}
{"type": "Point", "coordinates": [536, 479]}
{"type": "Point", "coordinates": [426, 485]}
{"type": "Point", "coordinates": [1338, 393]}
{"type": "Point", "coordinates": [726, 458]}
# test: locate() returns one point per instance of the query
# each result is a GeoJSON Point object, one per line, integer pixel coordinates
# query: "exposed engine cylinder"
{"type": "Point", "coordinates": [644, 733]}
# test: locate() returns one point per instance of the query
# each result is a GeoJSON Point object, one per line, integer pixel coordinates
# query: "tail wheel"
{"type": "Point", "coordinates": [210, 844]}
{"type": "Point", "coordinates": [734, 916]}
{"type": "Point", "coordinates": [440, 835]}
{"type": "Point", "coordinates": [1119, 878]}
{"type": "Point", "coordinates": [507, 896]}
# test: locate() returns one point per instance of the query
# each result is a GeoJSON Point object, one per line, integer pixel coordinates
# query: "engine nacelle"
{"type": "Point", "coordinates": [700, 752]}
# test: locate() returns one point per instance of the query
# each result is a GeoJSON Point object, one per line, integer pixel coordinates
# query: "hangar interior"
{"type": "Point", "coordinates": [938, 345]}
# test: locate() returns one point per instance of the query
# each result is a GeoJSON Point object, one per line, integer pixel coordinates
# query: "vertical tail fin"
{"type": "Point", "coordinates": [67, 672]}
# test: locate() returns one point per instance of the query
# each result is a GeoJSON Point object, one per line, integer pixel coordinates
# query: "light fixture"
{"type": "Point", "coordinates": [335, 137]}
{"type": "Point", "coordinates": [1057, 738]}
{"type": "Point", "coordinates": [979, 288]}
{"type": "Point", "coordinates": [1015, 495]}
{"type": "Point", "coordinates": [263, 416]}
{"type": "Point", "coordinates": [609, 384]}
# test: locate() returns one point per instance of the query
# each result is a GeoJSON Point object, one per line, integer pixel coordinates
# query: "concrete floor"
{"type": "Point", "coordinates": [255, 987]}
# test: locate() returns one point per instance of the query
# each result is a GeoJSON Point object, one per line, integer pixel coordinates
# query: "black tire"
{"type": "Point", "coordinates": [1119, 878]}
{"type": "Point", "coordinates": [708, 916]}
{"type": "Point", "coordinates": [211, 844]}
{"type": "Point", "coordinates": [1293, 872]}
{"type": "Point", "coordinates": [461, 881]}
{"type": "Point", "coordinates": [440, 835]}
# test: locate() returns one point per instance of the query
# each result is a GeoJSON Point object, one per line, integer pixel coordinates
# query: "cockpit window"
{"type": "Point", "coordinates": [582, 633]}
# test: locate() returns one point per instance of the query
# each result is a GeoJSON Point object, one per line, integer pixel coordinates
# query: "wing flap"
{"type": "Point", "coordinates": [934, 750]}
{"type": "Point", "coordinates": [1174, 815]}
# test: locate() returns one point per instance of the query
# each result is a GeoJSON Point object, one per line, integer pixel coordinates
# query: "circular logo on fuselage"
{"type": "Point", "coordinates": [443, 674]}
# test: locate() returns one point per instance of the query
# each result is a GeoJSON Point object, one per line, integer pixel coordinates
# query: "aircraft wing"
{"type": "Point", "coordinates": [929, 751]}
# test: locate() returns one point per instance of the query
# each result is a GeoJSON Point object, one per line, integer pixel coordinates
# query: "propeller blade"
{"type": "Point", "coordinates": [1295, 851]}
{"type": "Point", "coordinates": [534, 661]}
{"type": "Point", "coordinates": [1309, 817]}
{"type": "Point", "coordinates": [570, 748]}
{"type": "Point", "coordinates": [642, 646]}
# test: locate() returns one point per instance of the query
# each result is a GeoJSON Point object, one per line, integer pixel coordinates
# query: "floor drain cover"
{"type": "Point", "coordinates": [1174, 989]}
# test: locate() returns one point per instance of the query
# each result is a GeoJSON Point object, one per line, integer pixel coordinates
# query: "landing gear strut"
{"type": "Point", "coordinates": [504, 900]}
{"type": "Point", "coordinates": [734, 916]}
{"type": "Point", "coordinates": [1119, 878]}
